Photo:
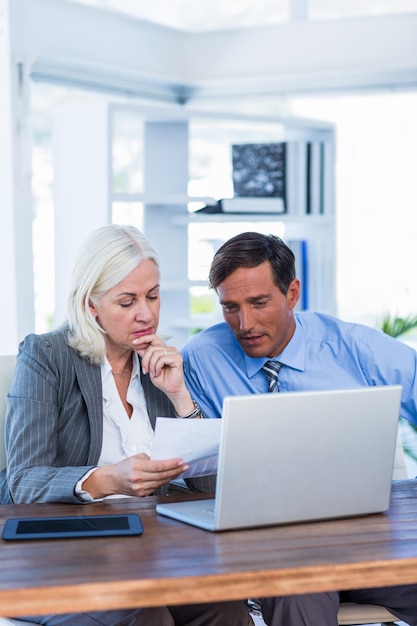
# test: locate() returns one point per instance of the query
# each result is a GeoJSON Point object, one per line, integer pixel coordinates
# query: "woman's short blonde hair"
{"type": "Point", "coordinates": [106, 258]}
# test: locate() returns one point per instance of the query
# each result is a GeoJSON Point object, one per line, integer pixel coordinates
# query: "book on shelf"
{"type": "Point", "coordinates": [300, 250]}
{"type": "Point", "coordinates": [315, 181]}
{"type": "Point", "coordinates": [327, 178]}
{"type": "Point", "coordinates": [296, 177]}
{"type": "Point", "coordinates": [253, 205]}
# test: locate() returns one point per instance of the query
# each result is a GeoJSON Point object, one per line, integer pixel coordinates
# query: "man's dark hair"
{"type": "Point", "coordinates": [250, 250]}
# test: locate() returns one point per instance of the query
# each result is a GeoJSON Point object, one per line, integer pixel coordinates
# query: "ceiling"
{"type": "Point", "coordinates": [208, 15]}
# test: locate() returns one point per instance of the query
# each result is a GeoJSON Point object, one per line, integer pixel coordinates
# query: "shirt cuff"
{"type": "Point", "coordinates": [84, 496]}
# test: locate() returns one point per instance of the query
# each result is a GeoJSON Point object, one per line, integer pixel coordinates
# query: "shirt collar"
{"type": "Point", "coordinates": [106, 369]}
{"type": "Point", "coordinates": [135, 365]}
{"type": "Point", "coordinates": [292, 356]}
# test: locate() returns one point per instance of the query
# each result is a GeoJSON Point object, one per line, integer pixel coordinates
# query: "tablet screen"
{"type": "Point", "coordinates": [72, 526]}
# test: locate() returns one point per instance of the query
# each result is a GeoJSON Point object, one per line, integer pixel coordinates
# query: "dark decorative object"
{"type": "Point", "coordinates": [259, 170]}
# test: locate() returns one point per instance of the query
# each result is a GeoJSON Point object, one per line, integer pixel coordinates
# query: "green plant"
{"type": "Point", "coordinates": [397, 327]}
{"type": "Point", "coordinates": [200, 304]}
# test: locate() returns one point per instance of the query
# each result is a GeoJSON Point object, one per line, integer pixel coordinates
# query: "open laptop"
{"type": "Point", "coordinates": [300, 456]}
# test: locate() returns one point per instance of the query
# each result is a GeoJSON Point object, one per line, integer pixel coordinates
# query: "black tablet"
{"type": "Point", "coordinates": [72, 526]}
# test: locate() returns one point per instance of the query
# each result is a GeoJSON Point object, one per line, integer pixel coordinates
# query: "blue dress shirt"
{"type": "Point", "coordinates": [324, 353]}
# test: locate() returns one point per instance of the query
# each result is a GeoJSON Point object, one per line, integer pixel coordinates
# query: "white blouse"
{"type": "Point", "coordinates": [122, 437]}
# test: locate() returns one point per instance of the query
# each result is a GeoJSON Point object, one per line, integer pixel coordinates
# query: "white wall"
{"type": "Point", "coordinates": [87, 44]}
{"type": "Point", "coordinates": [376, 199]}
{"type": "Point", "coordinates": [16, 262]}
{"type": "Point", "coordinates": [304, 56]}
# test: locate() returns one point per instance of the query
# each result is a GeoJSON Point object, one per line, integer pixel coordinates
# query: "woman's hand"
{"type": "Point", "coordinates": [137, 475]}
{"type": "Point", "coordinates": [165, 367]}
{"type": "Point", "coordinates": [163, 363]}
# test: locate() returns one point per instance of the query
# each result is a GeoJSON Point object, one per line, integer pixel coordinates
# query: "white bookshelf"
{"type": "Point", "coordinates": [84, 199]}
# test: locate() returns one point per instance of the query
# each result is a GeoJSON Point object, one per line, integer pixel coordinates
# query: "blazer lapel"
{"type": "Point", "coordinates": [89, 380]}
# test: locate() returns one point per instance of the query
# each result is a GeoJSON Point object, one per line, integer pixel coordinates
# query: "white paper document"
{"type": "Point", "coordinates": [196, 441]}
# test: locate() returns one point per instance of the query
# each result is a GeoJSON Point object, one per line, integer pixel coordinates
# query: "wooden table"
{"type": "Point", "coordinates": [173, 563]}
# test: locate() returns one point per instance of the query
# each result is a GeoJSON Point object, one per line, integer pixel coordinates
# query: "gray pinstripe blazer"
{"type": "Point", "coordinates": [54, 423]}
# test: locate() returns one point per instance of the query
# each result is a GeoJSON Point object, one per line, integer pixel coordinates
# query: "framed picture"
{"type": "Point", "coordinates": [259, 170]}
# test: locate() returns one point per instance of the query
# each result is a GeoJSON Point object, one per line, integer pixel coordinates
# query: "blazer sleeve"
{"type": "Point", "coordinates": [48, 427]}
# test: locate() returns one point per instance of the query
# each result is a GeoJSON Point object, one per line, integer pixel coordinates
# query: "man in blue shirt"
{"type": "Point", "coordinates": [254, 277]}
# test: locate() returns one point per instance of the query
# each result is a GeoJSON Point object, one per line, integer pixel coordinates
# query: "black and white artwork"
{"type": "Point", "coordinates": [259, 170]}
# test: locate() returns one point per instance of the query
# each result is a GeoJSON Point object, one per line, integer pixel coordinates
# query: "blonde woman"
{"type": "Point", "coordinates": [84, 399]}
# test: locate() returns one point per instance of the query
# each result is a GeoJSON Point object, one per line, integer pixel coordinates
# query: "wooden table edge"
{"type": "Point", "coordinates": [210, 588]}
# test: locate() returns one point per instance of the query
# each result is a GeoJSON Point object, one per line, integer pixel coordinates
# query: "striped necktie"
{"type": "Point", "coordinates": [271, 369]}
